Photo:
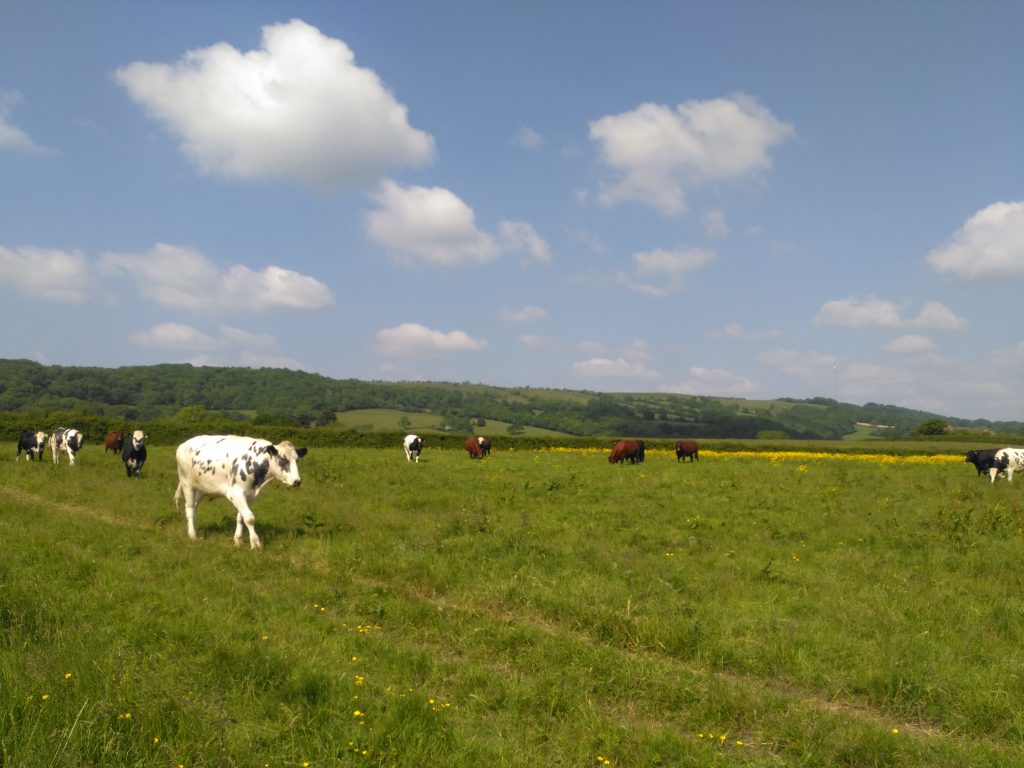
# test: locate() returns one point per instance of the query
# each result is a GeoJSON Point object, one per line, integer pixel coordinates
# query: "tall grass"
{"type": "Point", "coordinates": [533, 608]}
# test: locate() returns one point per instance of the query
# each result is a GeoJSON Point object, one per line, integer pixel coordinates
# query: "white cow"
{"type": "Point", "coordinates": [413, 446]}
{"type": "Point", "coordinates": [67, 440]}
{"type": "Point", "coordinates": [1008, 460]}
{"type": "Point", "coordinates": [235, 468]}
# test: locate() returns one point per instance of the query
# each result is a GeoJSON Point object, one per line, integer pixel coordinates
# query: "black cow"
{"type": "Point", "coordinates": [133, 453]}
{"type": "Point", "coordinates": [983, 459]}
{"type": "Point", "coordinates": [32, 443]}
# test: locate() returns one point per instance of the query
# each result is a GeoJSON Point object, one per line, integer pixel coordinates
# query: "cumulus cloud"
{"type": "Point", "coordinates": [11, 137]}
{"type": "Point", "coordinates": [659, 152]}
{"type": "Point", "coordinates": [417, 339]}
{"type": "Point", "coordinates": [873, 312]}
{"type": "Point", "coordinates": [989, 245]}
{"type": "Point", "coordinates": [174, 336]}
{"type": "Point", "coordinates": [618, 368]}
{"type": "Point", "coordinates": [528, 314]}
{"type": "Point", "coordinates": [185, 279]}
{"type": "Point", "coordinates": [435, 225]}
{"type": "Point", "coordinates": [297, 108]}
{"type": "Point", "coordinates": [231, 346]}
{"type": "Point", "coordinates": [712, 381]}
{"type": "Point", "coordinates": [46, 273]}
{"type": "Point", "coordinates": [667, 268]}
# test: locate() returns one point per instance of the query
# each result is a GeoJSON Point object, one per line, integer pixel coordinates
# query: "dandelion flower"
{"type": "Point", "coordinates": [895, 731]}
{"type": "Point", "coordinates": [67, 675]}
{"type": "Point", "coordinates": [44, 697]}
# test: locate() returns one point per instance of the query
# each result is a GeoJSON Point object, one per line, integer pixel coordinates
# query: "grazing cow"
{"type": "Point", "coordinates": [983, 459]}
{"type": "Point", "coordinates": [235, 468]}
{"type": "Point", "coordinates": [1008, 460]}
{"type": "Point", "coordinates": [485, 446]}
{"type": "Point", "coordinates": [133, 454]}
{"type": "Point", "coordinates": [114, 441]}
{"type": "Point", "coordinates": [626, 450]}
{"type": "Point", "coordinates": [687, 449]}
{"type": "Point", "coordinates": [473, 447]}
{"type": "Point", "coordinates": [413, 446]}
{"type": "Point", "coordinates": [68, 440]}
{"type": "Point", "coordinates": [32, 443]}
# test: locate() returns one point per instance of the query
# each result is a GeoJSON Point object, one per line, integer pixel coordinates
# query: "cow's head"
{"type": "Point", "coordinates": [138, 438]}
{"type": "Point", "coordinates": [40, 439]}
{"type": "Point", "coordinates": [284, 462]}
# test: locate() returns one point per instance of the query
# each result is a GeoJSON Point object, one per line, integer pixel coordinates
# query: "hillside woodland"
{"type": "Point", "coordinates": [34, 393]}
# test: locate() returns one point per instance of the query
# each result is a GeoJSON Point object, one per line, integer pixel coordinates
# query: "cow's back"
{"type": "Point", "coordinates": [205, 461]}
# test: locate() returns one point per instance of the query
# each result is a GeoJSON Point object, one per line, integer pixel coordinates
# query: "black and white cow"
{"type": "Point", "coordinates": [413, 446]}
{"type": "Point", "coordinates": [485, 446]}
{"type": "Point", "coordinates": [68, 440]}
{"type": "Point", "coordinates": [32, 443]}
{"type": "Point", "coordinates": [235, 468]}
{"type": "Point", "coordinates": [1008, 460]}
{"type": "Point", "coordinates": [133, 453]}
{"type": "Point", "coordinates": [983, 459]}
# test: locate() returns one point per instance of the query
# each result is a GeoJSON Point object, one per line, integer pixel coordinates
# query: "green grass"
{"type": "Point", "coordinates": [531, 609]}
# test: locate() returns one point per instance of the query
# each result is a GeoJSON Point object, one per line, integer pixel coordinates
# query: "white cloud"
{"type": "Point", "coordinates": [233, 346]}
{"type": "Point", "coordinates": [670, 266]}
{"type": "Point", "coordinates": [801, 365]}
{"type": "Point", "coordinates": [873, 312]}
{"type": "Point", "coordinates": [11, 137]}
{"type": "Point", "coordinates": [174, 336]}
{"type": "Point", "coordinates": [417, 339]}
{"type": "Point", "coordinates": [527, 138]}
{"type": "Point", "coordinates": [712, 381]}
{"type": "Point", "coordinates": [297, 108]}
{"type": "Point", "coordinates": [619, 368]}
{"type": "Point", "coordinates": [660, 152]}
{"type": "Point", "coordinates": [910, 344]}
{"type": "Point", "coordinates": [46, 273]}
{"type": "Point", "coordinates": [528, 314]}
{"type": "Point", "coordinates": [989, 245]}
{"type": "Point", "coordinates": [185, 279]}
{"type": "Point", "coordinates": [435, 225]}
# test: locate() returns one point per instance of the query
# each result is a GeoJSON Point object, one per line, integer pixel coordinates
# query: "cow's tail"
{"type": "Point", "coordinates": [177, 496]}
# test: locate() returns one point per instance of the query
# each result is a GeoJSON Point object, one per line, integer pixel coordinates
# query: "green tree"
{"type": "Point", "coordinates": [932, 427]}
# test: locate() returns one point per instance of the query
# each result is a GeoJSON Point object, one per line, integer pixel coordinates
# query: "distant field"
{"type": "Point", "coordinates": [387, 420]}
{"type": "Point", "coordinates": [536, 608]}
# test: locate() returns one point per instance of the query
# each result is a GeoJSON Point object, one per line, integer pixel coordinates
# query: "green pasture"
{"type": "Point", "coordinates": [536, 608]}
{"type": "Point", "coordinates": [387, 420]}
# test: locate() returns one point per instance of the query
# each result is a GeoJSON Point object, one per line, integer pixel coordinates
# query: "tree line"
{"type": "Point", "coordinates": [182, 394]}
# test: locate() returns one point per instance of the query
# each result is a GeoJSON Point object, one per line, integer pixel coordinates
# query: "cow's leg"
{"type": "Point", "coordinates": [1009, 474]}
{"type": "Point", "coordinates": [246, 517]}
{"type": "Point", "coordinates": [992, 474]}
{"type": "Point", "coordinates": [192, 499]}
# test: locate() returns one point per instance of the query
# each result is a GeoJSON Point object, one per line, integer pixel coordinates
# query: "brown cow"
{"type": "Point", "coordinates": [473, 447]}
{"type": "Point", "coordinates": [687, 449]}
{"type": "Point", "coordinates": [627, 450]}
{"type": "Point", "coordinates": [114, 441]}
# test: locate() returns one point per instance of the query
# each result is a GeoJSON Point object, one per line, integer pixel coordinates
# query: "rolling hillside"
{"type": "Point", "coordinates": [164, 391]}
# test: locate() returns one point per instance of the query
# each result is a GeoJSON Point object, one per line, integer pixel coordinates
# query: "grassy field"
{"type": "Point", "coordinates": [387, 420]}
{"type": "Point", "coordinates": [530, 609]}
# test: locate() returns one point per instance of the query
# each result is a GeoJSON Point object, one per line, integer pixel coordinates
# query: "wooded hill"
{"type": "Point", "coordinates": [29, 390]}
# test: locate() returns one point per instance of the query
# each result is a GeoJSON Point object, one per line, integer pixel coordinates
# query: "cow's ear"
{"type": "Point", "coordinates": [300, 452]}
{"type": "Point", "coordinates": [271, 449]}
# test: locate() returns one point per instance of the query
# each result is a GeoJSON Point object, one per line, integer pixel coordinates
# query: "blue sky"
{"type": "Point", "coordinates": [738, 199]}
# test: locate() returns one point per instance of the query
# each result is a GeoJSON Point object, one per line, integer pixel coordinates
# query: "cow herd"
{"type": "Point", "coordinates": [237, 468]}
